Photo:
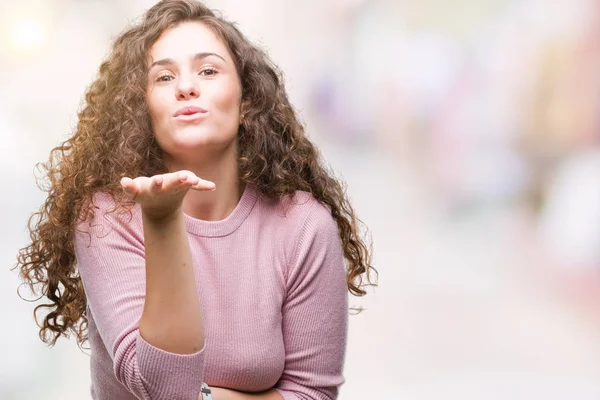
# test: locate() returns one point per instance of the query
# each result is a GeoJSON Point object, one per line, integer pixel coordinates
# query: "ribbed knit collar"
{"type": "Point", "coordinates": [228, 225]}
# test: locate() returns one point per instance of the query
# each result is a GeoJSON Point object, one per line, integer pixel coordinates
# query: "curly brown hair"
{"type": "Point", "coordinates": [114, 138]}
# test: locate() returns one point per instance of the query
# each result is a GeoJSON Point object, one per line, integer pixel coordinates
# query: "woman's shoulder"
{"type": "Point", "coordinates": [105, 210]}
{"type": "Point", "coordinates": [299, 209]}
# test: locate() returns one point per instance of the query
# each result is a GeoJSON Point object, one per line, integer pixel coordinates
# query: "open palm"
{"type": "Point", "coordinates": [160, 196]}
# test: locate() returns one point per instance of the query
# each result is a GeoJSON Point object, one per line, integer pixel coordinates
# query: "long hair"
{"type": "Point", "coordinates": [114, 138]}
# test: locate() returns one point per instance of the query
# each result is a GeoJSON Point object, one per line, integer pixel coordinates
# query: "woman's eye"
{"type": "Point", "coordinates": [164, 78]}
{"type": "Point", "coordinates": [208, 72]}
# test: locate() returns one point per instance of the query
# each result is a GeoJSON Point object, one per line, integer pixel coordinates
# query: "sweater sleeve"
{"type": "Point", "coordinates": [315, 313]}
{"type": "Point", "coordinates": [111, 261]}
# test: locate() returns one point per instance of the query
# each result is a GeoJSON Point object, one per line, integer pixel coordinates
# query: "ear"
{"type": "Point", "coordinates": [243, 111]}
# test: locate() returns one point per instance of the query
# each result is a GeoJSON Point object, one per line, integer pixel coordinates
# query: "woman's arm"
{"type": "Point", "coordinates": [111, 260]}
{"type": "Point", "coordinates": [121, 262]}
{"type": "Point", "coordinates": [315, 312]}
{"type": "Point", "coordinates": [315, 317]}
{"type": "Point", "coordinates": [171, 319]}
{"type": "Point", "coordinates": [227, 394]}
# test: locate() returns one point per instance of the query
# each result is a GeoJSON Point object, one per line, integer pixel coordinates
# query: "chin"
{"type": "Point", "coordinates": [196, 137]}
{"type": "Point", "coordinates": [201, 142]}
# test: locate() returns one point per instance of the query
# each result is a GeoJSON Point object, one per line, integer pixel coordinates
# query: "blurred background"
{"type": "Point", "coordinates": [468, 133]}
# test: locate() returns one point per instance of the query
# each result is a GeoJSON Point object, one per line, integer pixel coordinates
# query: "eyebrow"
{"type": "Point", "coordinates": [197, 56]}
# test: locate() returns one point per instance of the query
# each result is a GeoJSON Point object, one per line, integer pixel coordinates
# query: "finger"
{"type": "Point", "coordinates": [156, 183]}
{"type": "Point", "coordinates": [168, 181]}
{"type": "Point", "coordinates": [180, 180]}
{"type": "Point", "coordinates": [184, 175]}
{"type": "Point", "coordinates": [188, 176]}
{"type": "Point", "coordinates": [129, 186]}
{"type": "Point", "coordinates": [204, 185]}
{"type": "Point", "coordinates": [125, 181]}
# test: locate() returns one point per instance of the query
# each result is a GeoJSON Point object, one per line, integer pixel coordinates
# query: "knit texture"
{"type": "Point", "coordinates": [272, 286]}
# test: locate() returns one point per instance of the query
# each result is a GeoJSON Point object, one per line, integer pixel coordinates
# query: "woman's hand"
{"type": "Point", "coordinates": [218, 393]}
{"type": "Point", "coordinates": [228, 394]}
{"type": "Point", "coordinates": [161, 196]}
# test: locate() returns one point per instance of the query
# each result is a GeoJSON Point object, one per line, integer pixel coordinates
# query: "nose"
{"type": "Point", "coordinates": [187, 87]}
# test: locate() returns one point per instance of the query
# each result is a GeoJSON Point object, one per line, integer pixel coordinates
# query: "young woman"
{"type": "Point", "coordinates": [191, 232]}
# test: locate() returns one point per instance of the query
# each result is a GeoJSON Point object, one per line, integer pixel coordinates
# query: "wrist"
{"type": "Point", "coordinates": [161, 218]}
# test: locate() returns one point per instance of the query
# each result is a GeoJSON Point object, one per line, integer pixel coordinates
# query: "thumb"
{"type": "Point", "coordinates": [129, 187]}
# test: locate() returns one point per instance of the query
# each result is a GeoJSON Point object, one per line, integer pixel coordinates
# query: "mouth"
{"type": "Point", "coordinates": [189, 111]}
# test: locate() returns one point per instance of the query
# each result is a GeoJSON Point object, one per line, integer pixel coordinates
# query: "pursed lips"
{"type": "Point", "coordinates": [190, 113]}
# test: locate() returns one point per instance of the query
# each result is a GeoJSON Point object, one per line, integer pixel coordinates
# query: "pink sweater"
{"type": "Point", "coordinates": [272, 287]}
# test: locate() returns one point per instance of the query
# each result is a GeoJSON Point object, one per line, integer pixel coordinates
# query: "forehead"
{"type": "Point", "coordinates": [186, 39]}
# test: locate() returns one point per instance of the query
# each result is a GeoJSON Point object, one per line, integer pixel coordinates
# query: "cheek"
{"type": "Point", "coordinates": [157, 109]}
{"type": "Point", "coordinates": [227, 98]}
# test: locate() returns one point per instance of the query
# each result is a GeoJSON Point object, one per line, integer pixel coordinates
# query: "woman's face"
{"type": "Point", "coordinates": [193, 92]}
